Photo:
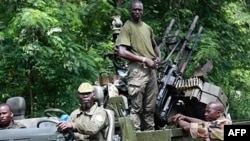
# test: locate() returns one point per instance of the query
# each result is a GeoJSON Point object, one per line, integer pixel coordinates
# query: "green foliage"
{"type": "Point", "coordinates": [45, 57]}
{"type": "Point", "coordinates": [48, 47]}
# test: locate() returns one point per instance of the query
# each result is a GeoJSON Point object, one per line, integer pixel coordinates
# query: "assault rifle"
{"type": "Point", "coordinates": [168, 93]}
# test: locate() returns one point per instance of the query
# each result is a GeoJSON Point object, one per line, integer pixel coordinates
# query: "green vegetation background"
{"type": "Point", "coordinates": [48, 47]}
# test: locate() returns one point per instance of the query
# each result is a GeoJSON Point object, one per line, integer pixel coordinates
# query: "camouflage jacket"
{"type": "Point", "coordinates": [210, 131]}
{"type": "Point", "coordinates": [88, 125]}
{"type": "Point", "coordinates": [13, 125]}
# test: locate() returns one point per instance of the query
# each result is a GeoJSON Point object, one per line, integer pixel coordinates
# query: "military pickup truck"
{"type": "Point", "coordinates": [176, 94]}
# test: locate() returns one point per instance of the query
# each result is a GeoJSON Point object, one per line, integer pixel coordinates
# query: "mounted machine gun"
{"type": "Point", "coordinates": [176, 94]}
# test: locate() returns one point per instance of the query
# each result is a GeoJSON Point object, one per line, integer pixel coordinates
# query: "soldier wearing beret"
{"type": "Point", "coordinates": [89, 119]}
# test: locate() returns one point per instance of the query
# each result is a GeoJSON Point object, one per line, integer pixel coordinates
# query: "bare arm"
{"type": "Point", "coordinates": [185, 121]}
{"type": "Point", "coordinates": [186, 118]}
{"type": "Point", "coordinates": [123, 52]}
{"type": "Point", "coordinates": [156, 49]}
{"type": "Point", "coordinates": [190, 119]}
{"type": "Point", "coordinates": [184, 125]}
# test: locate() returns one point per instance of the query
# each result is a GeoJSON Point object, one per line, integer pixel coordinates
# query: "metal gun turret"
{"type": "Point", "coordinates": [171, 79]}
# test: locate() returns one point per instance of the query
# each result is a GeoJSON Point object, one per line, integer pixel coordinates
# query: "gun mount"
{"type": "Point", "coordinates": [176, 94]}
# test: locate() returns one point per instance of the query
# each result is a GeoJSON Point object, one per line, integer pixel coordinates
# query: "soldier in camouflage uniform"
{"type": "Point", "coordinates": [88, 121]}
{"type": "Point", "coordinates": [210, 130]}
{"type": "Point", "coordinates": [6, 118]}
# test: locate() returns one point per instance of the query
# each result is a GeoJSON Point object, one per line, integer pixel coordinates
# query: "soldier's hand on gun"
{"type": "Point", "coordinates": [156, 62]}
{"type": "Point", "coordinates": [157, 59]}
{"type": "Point", "coordinates": [177, 117]}
{"type": "Point", "coordinates": [152, 63]}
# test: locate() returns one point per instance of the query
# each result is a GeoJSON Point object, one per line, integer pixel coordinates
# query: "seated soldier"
{"type": "Point", "coordinates": [210, 130]}
{"type": "Point", "coordinates": [88, 120]}
{"type": "Point", "coordinates": [6, 118]}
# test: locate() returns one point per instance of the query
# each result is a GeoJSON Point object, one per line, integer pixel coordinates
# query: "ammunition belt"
{"type": "Point", "coordinates": [189, 83]}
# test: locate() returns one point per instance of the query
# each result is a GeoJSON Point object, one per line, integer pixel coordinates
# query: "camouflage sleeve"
{"type": "Point", "coordinates": [92, 126]}
{"type": "Point", "coordinates": [20, 125]}
{"type": "Point", "coordinates": [199, 130]}
{"type": "Point", "coordinates": [16, 125]}
{"type": "Point", "coordinates": [216, 128]}
{"type": "Point", "coordinates": [80, 137]}
{"type": "Point", "coordinates": [73, 116]}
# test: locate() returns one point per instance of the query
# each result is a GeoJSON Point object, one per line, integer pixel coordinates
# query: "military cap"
{"type": "Point", "coordinates": [85, 88]}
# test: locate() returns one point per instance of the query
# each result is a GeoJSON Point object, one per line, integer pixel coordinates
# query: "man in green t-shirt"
{"type": "Point", "coordinates": [136, 43]}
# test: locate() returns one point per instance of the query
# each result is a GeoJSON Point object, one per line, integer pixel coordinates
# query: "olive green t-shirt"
{"type": "Point", "coordinates": [138, 38]}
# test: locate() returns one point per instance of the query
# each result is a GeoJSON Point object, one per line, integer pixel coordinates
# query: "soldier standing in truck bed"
{"type": "Point", "coordinates": [136, 43]}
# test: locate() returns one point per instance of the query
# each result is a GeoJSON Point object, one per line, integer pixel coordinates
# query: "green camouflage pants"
{"type": "Point", "coordinates": [143, 88]}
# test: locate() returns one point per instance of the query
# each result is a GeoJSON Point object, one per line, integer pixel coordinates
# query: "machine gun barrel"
{"type": "Point", "coordinates": [166, 33]}
{"type": "Point", "coordinates": [167, 92]}
{"type": "Point", "coordinates": [170, 46]}
{"type": "Point", "coordinates": [185, 40]}
{"type": "Point", "coordinates": [197, 38]}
